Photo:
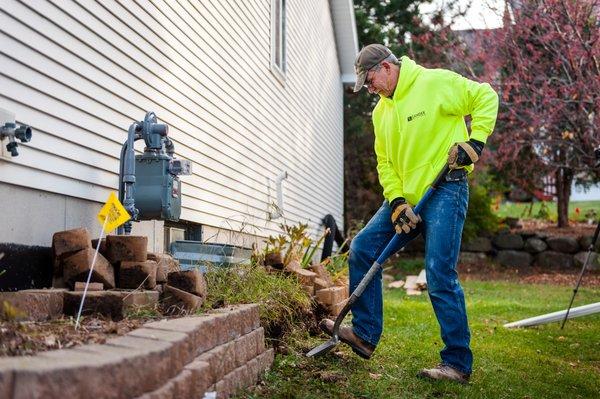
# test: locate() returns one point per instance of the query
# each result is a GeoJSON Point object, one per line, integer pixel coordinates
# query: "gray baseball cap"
{"type": "Point", "coordinates": [366, 59]}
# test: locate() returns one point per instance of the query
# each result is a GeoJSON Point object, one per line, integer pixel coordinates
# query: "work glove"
{"type": "Point", "coordinates": [464, 154]}
{"type": "Point", "coordinates": [403, 216]}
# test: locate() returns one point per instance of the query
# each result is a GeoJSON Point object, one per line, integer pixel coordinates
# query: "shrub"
{"type": "Point", "coordinates": [480, 218]}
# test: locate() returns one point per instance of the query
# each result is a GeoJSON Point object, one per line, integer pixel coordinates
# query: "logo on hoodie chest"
{"type": "Point", "coordinates": [415, 116]}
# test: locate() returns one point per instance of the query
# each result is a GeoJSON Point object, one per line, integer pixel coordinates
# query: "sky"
{"type": "Point", "coordinates": [481, 14]}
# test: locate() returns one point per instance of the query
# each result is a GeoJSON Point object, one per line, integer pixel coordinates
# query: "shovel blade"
{"type": "Point", "coordinates": [323, 348]}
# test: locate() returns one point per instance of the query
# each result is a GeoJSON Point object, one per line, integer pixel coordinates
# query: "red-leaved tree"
{"type": "Point", "coordinates": [545, 62]}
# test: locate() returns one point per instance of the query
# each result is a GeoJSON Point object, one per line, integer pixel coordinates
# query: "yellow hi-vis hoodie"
{"type": "Point", "coordinates": [417, 126]}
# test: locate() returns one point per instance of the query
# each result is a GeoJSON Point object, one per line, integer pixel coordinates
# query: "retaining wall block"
{"type": "Point", "coordinates": [567, 245]}
{"type": "Point", "coordinates": [76, 267]}
{"type": "Point", "coordinates": [36, 305]}
{"type": "Point", "coordinates": [126, 248]}
{"type": "Point", "coordinates": [552, 259]}
{"type": "Point", "coordinates": [134, 274]}
{"type": "Point", "coordinates": [106, 303]}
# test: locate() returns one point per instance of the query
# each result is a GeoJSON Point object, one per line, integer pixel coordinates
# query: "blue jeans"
{"type": "Point", "coordinates": [443, 219]}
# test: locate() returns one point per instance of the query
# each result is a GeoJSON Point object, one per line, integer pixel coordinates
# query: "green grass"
{"type": "Point", "coordinates": [539, 362]}
{"type": "Point", "coordinates": [521, 210]}
{"type": "Point", "coordinates": [280, 297]}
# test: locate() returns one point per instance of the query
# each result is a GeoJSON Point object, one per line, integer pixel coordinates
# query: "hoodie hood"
{"type": "Point", "coordinates": [409, 70]}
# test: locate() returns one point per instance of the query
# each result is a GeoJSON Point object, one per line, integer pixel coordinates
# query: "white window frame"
{"type": "Point", "coordinates": [278, 42]}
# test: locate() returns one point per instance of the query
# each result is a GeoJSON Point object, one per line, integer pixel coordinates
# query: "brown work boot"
{"type": "Point", "coordinates": [445, 372]}
{"type": "Point", "coordinates": [347, 336]}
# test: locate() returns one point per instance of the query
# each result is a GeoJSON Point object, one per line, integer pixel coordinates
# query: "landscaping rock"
{"type": "Point", "coordinates": [137, 274]}
{"type": "Point", "coordinates": [526, 234]}
{"type": "Point", "coordinates": [80, 286]}
{"type": "Point", "coordinates": [478, 244]}
{"type": "Point", "coordinates": [34, 305]}
{"type": "Point", "coordinates": [322, 274]}
{"type": "Point", "coordinates": [126, 248]}
{"type": "Point", "coordinates": [165, 264]}
{"type": "Point", "coordinates": [191, 281]}
{"type": "Point", "coordinates": [104, 303]}
{"type": "Point", "coordinates": [320, 284]}
{"type": "Point", "coordinates": [586, 241]}
{"type": "Point", "coordinates": [138, 299]}
{"type": "Point", "coordinates": [306, 277]}
{"type": "Point", "coordinates": [332, 295]}
{"type": "Point", "coordinates": [552, 259]}
{"type": "Point", "coordinates": [102, 248]}
{"type": "Point", "coordinates": [77, 267]}
{"type": "Point", "coordinates": [535, 245]}
{"type": "Point", "coordinates": [508, 241]}
{"type": "Point", "coordinates": [292, 266]}
{"type": "Point", "coordinates": [593, 263]}
{"type": "Point", "coordinates": [396, 284]}
{"type": "Point", "coordinates": [514, 258]}
{"type": "Point", "coordinates": [472, 257]}
{"type": "Point", "coordinates": [65, 243]}
{"type": "Point", "coordinates": [177, 301]}
{"type": "Point", "coordinates": [567, 245]}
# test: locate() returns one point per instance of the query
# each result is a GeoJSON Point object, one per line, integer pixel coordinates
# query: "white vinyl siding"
{"type": "Point", "coordinates": [80, 72]}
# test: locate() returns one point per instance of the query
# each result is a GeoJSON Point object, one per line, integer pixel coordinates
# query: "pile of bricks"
{"type": "Point", "coordinates": [414, 285]}
{"type": "Point", "coordinates": [318, 283]}
{"type": "Point", "coordinates": [182, 358]}
{"type": "Point", "coordinates": [125, 275]}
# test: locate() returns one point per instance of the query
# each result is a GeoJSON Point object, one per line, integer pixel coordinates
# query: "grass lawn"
{"type": "Point", "coordinates": [520, 210]}
{"type": "Point", "coordinates": [539, 362]}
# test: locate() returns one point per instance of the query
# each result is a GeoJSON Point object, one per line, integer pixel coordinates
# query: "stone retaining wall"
{"type": "Point", "coordinates": [524, 249]}
{"type": "Point", "coordinates": [178, 358]}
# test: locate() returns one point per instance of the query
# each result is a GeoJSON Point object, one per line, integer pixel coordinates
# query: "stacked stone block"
{"type": "Point", "coordinates": [524, 249]}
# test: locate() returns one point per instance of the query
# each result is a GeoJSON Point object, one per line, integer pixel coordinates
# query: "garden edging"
{"type": "Point", "coordinates": [177, 358]}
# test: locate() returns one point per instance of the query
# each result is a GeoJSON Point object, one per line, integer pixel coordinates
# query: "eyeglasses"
{"type": "Point", "coordinates": [369, 80]}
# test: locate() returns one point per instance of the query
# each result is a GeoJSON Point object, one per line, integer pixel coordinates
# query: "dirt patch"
{"type": "Point", "coordinates": [29, 338]}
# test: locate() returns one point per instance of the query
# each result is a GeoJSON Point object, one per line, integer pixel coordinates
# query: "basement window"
{"type": "Point", "coordinates": [278, 28]}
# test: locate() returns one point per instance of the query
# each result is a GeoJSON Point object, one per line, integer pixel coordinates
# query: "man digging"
{"type": "Point", "coordinates": [419, 126]}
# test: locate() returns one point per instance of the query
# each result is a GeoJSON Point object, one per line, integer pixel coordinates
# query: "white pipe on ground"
{"type": "Point", "coordinates": [585, 310]}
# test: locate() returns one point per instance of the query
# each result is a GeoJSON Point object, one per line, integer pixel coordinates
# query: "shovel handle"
{"type": "Point", "coordinates": [391, 248]}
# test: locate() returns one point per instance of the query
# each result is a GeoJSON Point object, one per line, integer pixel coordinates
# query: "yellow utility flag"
{"type": "Point", "coordinates": [114, 211]}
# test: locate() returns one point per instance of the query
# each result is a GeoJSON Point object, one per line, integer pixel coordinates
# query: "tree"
{"type": "Point", "coordinates": [546, 60]}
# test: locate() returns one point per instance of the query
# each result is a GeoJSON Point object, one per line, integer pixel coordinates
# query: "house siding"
{"type": "Point", "coordinates": [80, 72]}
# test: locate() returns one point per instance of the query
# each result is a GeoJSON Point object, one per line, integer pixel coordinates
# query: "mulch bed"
{"type": "Point", "coordinates": [532, 275]}
{"type": "Point", "coordinates": [542, 226]}
{"type": "Point", "coordinates": [29, 338]}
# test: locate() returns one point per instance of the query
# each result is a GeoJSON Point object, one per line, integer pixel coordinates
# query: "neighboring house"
{"type": "Point", "coordinates": [249, 89]}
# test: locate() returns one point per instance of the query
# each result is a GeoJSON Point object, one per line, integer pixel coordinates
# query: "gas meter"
{"type": "Point", "coordinates": [149, 186]}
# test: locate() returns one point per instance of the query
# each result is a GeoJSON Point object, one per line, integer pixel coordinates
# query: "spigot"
{"type": "Point", "coordinates": [23, 133]}
{"type": "Point", "coordinates": [12, 148]}
{"type": "Point", "coordinates": [12, 132]}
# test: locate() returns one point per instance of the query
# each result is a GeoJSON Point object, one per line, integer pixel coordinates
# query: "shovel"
{"type": "Point", "coordinates": [390, 249]}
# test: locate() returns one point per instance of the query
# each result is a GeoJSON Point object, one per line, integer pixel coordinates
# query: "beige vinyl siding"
{"type": "Point", "coordinates": [81, 71]}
